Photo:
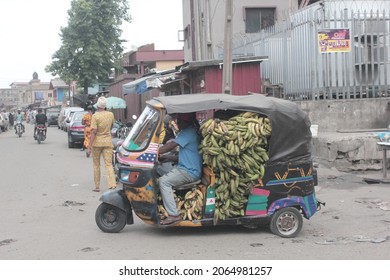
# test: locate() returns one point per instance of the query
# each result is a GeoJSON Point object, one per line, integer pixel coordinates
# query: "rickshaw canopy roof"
{"type": "Point", "coordinates": [291, 136]}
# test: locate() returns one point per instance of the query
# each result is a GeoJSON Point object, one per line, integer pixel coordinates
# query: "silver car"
{"type": "Point", "coordinates": [4, 123]}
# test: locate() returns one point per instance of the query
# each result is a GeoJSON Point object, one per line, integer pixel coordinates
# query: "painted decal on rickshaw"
{"type": "Point", "coordinates": [286, 173]}
{"type": "Point", "coordinates": [143, 159]}
{"type": "Point", "coordinates": [150, 155]}
{"type": "Point", "coordinates": [210, 202]}
{"type": "Point", "coordinates": [257, 202]}
{"type": "Point", "coordinates": [290, 182]}
{"type": "Point", "coordinates": [307, 203]}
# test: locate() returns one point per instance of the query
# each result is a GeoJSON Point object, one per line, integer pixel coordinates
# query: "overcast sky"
{"type": "Point", "coordinates": [29, 33]}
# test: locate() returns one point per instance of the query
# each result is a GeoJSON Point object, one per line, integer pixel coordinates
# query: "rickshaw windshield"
{"type": "Point", "coordinates": [139, 136]}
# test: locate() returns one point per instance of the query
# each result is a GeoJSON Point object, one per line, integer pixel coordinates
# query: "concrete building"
{"type": "Point", "coordinates": [145, 60]}
{"type": "Point", "coordinates": [203, 23]}
{"type": "Point", "coordinates": [60, 92]}
{"type": "Point", "coordinates": [9, 98]}
{"type": "Point", "coordinates": [23, 94]}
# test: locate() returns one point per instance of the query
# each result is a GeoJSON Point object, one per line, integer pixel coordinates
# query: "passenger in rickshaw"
{"type": "Point", "coordinates": [189, 167]}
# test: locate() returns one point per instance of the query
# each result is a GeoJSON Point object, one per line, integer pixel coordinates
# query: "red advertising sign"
{"type": "Point", "coordinates": [334, 40]}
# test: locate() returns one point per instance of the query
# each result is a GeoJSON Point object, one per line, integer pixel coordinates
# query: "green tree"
{"type": "Point", "coordinates": [91, 44]}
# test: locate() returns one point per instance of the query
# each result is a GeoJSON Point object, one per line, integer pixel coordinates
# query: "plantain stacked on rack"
{"type": "Point", "coordinates": [236, 150]}
{"type": "Point", "coordinates": [190, 204]}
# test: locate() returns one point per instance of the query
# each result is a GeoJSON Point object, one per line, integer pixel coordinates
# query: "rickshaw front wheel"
{"type": "Point", "coordinates": [109, 218]}
{"type": "Point", "coordinates": [286, 222]}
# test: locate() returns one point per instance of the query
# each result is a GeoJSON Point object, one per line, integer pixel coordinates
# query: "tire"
{"type": "Point", "coordinates": [70, 143]}
{"type": "Point", "coordinates": [286, 222]}
{"type": "Point", "coordinates": [39, 138]}
{"type": "Point", "coordinates": [110, 218]}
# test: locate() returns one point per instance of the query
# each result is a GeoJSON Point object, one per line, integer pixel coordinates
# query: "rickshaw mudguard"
{"type": "Point", "coordinates": [308, 204]}
{"type": "Point", "coordinates": [118, 199]}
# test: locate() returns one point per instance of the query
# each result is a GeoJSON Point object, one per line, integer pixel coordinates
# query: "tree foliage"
{"type": "Point", "coordinates": [91, 44]}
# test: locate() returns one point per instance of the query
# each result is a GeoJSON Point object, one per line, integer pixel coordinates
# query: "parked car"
{"type": "Point", "coordinates": [64, 114]}
{"type": "Point", "coordinates": [76, 129]}
{"type": "Point", "coordinates": [52, 114]}
{"type": "Point", "coordinates": [4, 122]}
{"type": "Point", "coordinates": [68, 118]}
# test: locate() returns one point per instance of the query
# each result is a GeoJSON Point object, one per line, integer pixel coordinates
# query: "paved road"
{"type": "Point", "coordinates": [47, 212]}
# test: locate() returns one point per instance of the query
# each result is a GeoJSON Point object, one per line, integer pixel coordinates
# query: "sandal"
{"type": "Point", "coordinates": [96, 190]}
{"type": "Point", "coordinates": [171, 220]}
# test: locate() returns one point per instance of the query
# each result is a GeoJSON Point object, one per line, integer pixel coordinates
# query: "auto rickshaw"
{"type": "Point", "coordinates": [257, 166]}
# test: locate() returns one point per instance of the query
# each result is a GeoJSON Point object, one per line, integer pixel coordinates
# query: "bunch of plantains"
{"type": "Point", "coordinates": [190, 205]}
{"type": "Point", "coordinates": [236, 150]}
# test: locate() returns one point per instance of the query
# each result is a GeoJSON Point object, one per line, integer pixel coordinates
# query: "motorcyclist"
{"type": "Point", "coordinates": [19, 118]}
{"type": "Point", "coordinates": [40, 119]}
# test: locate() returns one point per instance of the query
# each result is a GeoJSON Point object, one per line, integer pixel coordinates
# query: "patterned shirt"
{"type": "Point", "coordinates": [87, 119]}
{"type": "Point", "coordinates": [102, 123]}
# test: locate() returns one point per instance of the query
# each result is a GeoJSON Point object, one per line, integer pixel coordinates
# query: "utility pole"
{"type": "Point", "coordinates": [70, 94]}
{"type": "Point", "coordinates": [227, 53]}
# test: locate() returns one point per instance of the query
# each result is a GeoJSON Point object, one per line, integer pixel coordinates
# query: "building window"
{"type": "Point", "coordinates": [257, 19]}
{"type": "Point", "coordinates": [187, 35]}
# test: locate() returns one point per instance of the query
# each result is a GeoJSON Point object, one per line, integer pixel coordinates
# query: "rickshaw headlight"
{"type": "Point", "coordinates": [129, 176]}
{"type": "Point", "coordinates": [124, 175]}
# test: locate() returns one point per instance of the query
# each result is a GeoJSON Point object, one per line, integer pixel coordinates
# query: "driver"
{"type": "Point", "coordinates": [19, 118]}
{"type": "Point", "coordinates": [40, 119]}
{"type": "Point", "coordinates": [189, 167]}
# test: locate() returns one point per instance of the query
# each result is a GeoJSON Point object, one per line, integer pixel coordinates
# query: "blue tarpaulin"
{"type": "Point", "coordinates": [141, 85]}
{"type": "Point", "coordinates": [383, 136]}
{"type": "Point", "coordinates": [145, 84]}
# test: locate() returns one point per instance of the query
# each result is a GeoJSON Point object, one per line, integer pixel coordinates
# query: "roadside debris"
{"type": "Point", "coordinates": [256, 244]}
{"type": "Point", "coordinates": [360, 238]}
{"type": "Point", "coordinates": [6, 242]}
{"type": "Point", "coordinates": [356, 238]}
{"type": "Point", "coordinates": [89, 249]}
{"type": "Point", "coordinates": [383, 205]}
{"type": "Point", "coordinates": [70, 203]}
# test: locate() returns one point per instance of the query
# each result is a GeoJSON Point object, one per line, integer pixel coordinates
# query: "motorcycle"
{"type": "Point", "coordinates": [41, 133]}
{"type": "Point", "coordinates": [251, 175]}
{"type": "Point", "coordinates": [19, 128]}
{"type": "Point", "coordinates": [116, 142]}
{"type": "Point", "coordinates": [124, 130]}
{"type": "Point", "coordinates": [115, 128]}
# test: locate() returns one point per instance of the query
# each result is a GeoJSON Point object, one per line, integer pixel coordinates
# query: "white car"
{"type": "Point", "coordinates": [4, 123]}
{"type": "Point", "coordinates": [64, 115]}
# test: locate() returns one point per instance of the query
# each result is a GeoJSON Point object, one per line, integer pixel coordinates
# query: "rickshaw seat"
{"type": "Point", "coordinates": [187, 186]}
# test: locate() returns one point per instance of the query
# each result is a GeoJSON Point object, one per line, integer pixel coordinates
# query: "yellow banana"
{"type": "Point", "coordinates": [199, 192]}
{"type": "Point", "coordinates": [264, 156]}
{"type": "Point", "coordinates": [262, 170]}
{"type": "Point", "coordinates": [189, 214]}
{"type": "Point", "coordinates": [223, 127]}
{"type": "Point", "coordinates": [189, 195]}
{"type": "Point", "coordinates": [214, 142]}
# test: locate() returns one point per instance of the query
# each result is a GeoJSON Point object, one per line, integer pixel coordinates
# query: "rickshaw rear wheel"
{"type": "Point", "coordinates": [286, 222]}
{"type": "Point", "coordinates": [109, 218]}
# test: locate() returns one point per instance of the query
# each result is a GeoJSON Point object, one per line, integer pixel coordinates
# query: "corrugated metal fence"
{"type": "Point", "coordinates": [297, 70]}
